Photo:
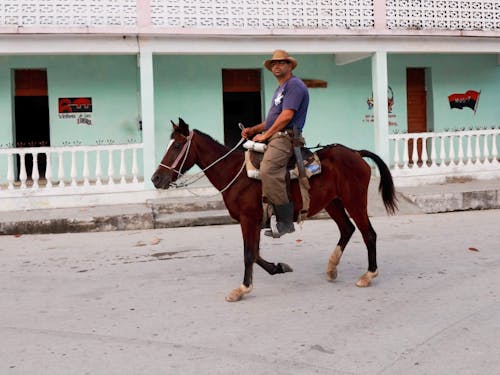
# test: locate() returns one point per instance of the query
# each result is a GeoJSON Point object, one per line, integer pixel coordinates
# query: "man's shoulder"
{"type": "Point", "coordinates": [296, 82]}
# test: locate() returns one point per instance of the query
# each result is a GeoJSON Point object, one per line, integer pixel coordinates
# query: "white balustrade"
{"type": "Point", "coordinates": [22, 172]}
{"type": "Point", "coordinates": [477, 153]}
{"type": "Point", "coordinates": [76, 170]}
{"type": "Point", "coordinates": [98, 172]}
{"type": "Point", "coordinates": [111, 170]}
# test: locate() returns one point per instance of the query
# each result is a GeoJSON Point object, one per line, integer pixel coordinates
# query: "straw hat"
{"type": "Point", "coordinates": [280, 55]}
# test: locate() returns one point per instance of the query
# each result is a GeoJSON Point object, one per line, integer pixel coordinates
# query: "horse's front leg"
{"type": "Point", "coordinates": [251, 239]}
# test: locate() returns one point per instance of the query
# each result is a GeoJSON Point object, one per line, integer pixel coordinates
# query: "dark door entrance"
{"type": "Point", "coordinates": [31, 109]}
{"type": "Point", "coordinates": [241, 100]}
{"type": "Point", "coordinates": [416, 106]}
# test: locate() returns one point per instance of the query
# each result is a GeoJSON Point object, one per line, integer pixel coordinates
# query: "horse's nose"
{"type": "Point", "coordinates": [160, 181]}
{"type": "Point", "coordinates": [156, 180]}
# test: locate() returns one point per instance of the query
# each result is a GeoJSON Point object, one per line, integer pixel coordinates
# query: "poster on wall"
{"type": "Point", "coordinates": [390, 103]}
{"type": "Point", "coordinates": [79, 109]}
{"type": "Point", "coordinates": [469, 99]}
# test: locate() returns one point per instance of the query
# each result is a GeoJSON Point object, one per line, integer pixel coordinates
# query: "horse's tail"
{"type": "Point", "coordinates": [386, 186]}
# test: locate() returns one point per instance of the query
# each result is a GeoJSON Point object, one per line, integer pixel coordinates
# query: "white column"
{"type": "Point", "coordinates": [147, 113]}
{"type": "Point", "coordinates": [380, 112]}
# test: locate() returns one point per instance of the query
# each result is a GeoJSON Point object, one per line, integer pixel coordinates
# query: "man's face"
{"type": "Point", "coordinates": [281, 68]}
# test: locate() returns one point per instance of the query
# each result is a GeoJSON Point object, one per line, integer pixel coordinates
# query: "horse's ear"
{"type": "Point", "coordinates": [183, 127]}
{"type": "Point", "coordinates": [174, 125]}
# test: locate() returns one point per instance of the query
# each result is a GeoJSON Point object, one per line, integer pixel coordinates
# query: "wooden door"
{"type": "Point", "coordinates": [241, 100]}
{"type": "Point", "coordinates": [31, 115]}
{"type": "Point", "coordinates": [416, 106]}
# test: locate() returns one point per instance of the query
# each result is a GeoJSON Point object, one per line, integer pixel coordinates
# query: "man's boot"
{"type": "Point", "coordinates": [281, 221]}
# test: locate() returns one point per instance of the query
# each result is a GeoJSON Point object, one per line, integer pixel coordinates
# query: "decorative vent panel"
{"type": "Point", "coordinates": [263, 14]}
{"type": "Point", "coordinates": [443, 14]}
{"type": "Point", "coordinates": [481, 15]}
{"type": "Point", "coordinates": [68, 13]}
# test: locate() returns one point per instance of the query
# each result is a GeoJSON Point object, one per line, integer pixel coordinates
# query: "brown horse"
{"type": "Point", "coordinates": [342, 186]}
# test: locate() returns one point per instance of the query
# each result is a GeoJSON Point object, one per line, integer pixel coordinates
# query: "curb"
{"type": "Point", "coordinates": [200, 211]}
{"type": "Point", "coordinates": [457, 201]}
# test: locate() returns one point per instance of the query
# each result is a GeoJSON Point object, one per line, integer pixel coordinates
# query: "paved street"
{"type": "Point", "coordinates": [152, 301]}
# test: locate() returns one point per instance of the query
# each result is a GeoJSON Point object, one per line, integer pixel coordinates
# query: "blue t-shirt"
{"type": "Point", "coordinates": [292, 94]}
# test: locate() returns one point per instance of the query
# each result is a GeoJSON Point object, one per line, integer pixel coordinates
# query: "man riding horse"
{"type": "Point", "coordinates": [288, 110]}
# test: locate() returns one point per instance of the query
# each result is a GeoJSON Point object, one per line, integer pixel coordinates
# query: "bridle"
{"type": "Point", "coordinates": [183, 155]}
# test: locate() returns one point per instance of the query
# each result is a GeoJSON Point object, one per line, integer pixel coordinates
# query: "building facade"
{"type": "Point", "coordinates": [88, 89]}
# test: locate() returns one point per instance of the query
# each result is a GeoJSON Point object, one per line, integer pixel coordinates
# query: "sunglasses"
{"type": "Point", "coordinates": [279, 62]}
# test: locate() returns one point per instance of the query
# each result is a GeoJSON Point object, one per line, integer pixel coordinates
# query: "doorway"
{"type": "Point", "coordinates": [416, 106]}
{"type": "Point", "coordinates": [241, 100]}
{"type": "Point", "coordinates": [31, 111]}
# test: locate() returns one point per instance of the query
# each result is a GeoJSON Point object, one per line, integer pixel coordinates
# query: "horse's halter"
{"type": "Point", "coordinates": [182, 155]}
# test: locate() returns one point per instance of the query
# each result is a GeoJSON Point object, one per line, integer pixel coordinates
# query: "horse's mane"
{"type": "Point", "coordinates": [220, 145]}
{"type": "Point", "coordinates": [199, 132]}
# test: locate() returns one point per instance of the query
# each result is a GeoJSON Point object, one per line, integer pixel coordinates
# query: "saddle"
{"type": "Point", "coordinates": [255, 154]}
{"type": "Point", "coordinates": [312, 166]}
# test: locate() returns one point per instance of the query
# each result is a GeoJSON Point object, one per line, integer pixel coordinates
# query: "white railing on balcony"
{"type": "Point", "coordinates": [450, 153]}
{"type": "Point", "coordinates": [69, 170]}
{"type": "Point", "coordinates": [152, 15]}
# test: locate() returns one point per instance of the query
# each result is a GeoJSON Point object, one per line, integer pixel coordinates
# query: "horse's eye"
{"type": "Point", "coordinates": [177, 146]}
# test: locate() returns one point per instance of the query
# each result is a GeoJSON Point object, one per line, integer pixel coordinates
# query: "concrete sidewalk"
{"type": "Point", "coordinates": [203, 206]}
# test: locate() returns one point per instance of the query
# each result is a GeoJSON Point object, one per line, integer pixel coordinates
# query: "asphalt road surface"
{"type": "Point", "coordinates": [152, 302]}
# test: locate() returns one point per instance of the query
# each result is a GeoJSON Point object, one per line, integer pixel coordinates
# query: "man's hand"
{"type": "Point", "coordinates": [260, 138]}
{"type": "Point", "coordinates": [246, 133]}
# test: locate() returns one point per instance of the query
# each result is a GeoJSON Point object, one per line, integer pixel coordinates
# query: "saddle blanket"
{"type": "Point", "coordinates": [312, 164]}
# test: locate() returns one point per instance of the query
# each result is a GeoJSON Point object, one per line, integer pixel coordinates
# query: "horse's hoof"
{"type": "Point", "coordinates": [366, 280]}
{"type": "Point", "coordinates": [238, 293]}
{"type": "Point", "coordinates": [331, 275]}
{"type": "Point", "coordinates": [333, 262]}
{"type": "Point", "coordinates": [285, 267]}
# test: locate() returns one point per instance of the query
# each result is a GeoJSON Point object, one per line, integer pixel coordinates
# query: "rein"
{"type": "Point", "coordinates": [183, 155]}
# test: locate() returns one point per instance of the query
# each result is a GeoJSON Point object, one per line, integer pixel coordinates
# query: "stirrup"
{"type": "Point", "coordinates": [275, 231]}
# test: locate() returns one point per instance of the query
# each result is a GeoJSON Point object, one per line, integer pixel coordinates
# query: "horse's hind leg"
{"type": "Point", "coordinates": [337, 212]}
{"type": "Point", "coordinates": [272, 268]}
{"type": "Point", "coordinates": [360, 217]}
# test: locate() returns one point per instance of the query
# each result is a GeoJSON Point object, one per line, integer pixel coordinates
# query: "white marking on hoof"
{"type": "Point", "coordinates": [238, 293]}
{"type": "Point", "coordinates": [333, 262]}
{"type": "Point", "coordinates": [365, 280]}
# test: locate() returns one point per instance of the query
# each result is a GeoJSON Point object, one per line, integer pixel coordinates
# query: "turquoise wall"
{"type": "Point", "coordinates": [111, 82]}
{"type": "Point", "coordinates": [191, 87]}
{"type": "Point", "coordinates": [450, 74]}
{"type": "Point", "coordinates": [6, 103]}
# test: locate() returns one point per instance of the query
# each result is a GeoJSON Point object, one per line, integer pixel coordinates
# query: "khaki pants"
{"type": "Point", "coordinates": [273, 168]}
